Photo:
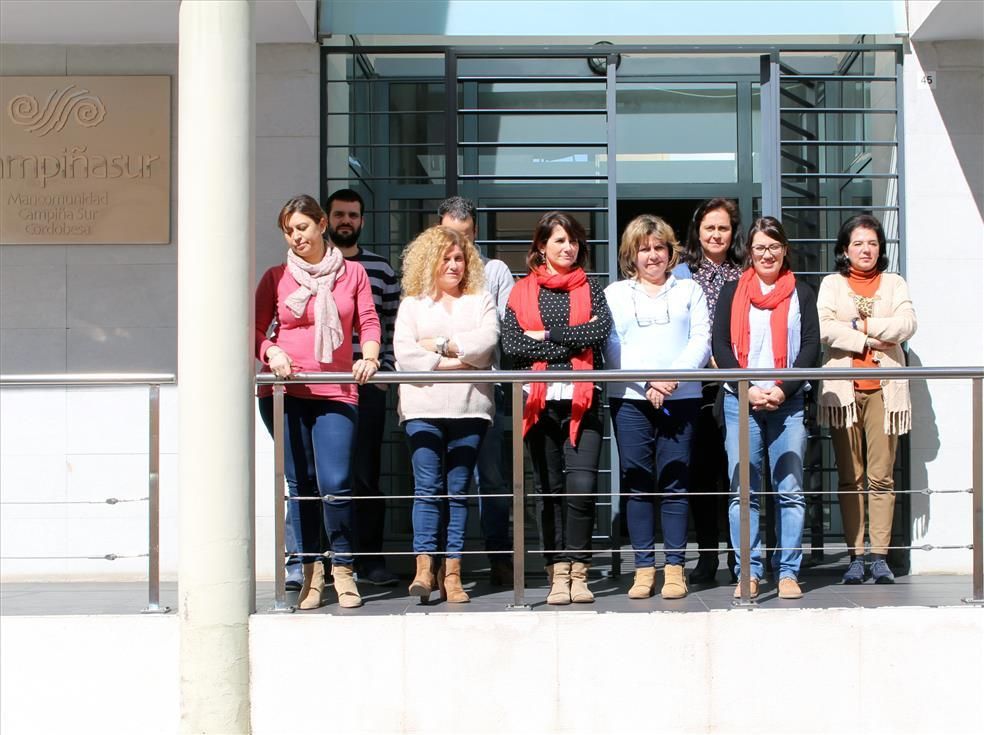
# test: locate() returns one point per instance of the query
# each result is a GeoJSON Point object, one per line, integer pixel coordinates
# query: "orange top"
{"type": "Point", "coordinates": [865, 283]}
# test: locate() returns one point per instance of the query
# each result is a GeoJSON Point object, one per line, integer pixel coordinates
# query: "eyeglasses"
{"type": "Point", "coordinates": [773, 249]}
{"type": "Point", "coordinates": [658, 308]}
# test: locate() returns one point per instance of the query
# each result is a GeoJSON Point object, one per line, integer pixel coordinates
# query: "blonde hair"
{"type": "Point", "coordinates": [422, 259]}
{"type": "Point", "coordinates": [636, 233]}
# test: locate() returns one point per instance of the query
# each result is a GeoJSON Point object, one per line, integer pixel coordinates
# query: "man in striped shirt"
{"type": "Point", "coordinates": [345, 217]}
{"type": "Point", "coordinates": [459, 214]}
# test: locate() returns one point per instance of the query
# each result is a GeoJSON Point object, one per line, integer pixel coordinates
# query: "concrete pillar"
{"type": "Point", "coordinates": [215, 365]}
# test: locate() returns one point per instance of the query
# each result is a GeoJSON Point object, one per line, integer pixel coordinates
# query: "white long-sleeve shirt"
{"type": "Point", "coordinates": [664, 332]}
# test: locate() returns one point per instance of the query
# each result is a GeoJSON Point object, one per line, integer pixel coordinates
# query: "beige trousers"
{"type": "Point", "coordinates": [866, 446]}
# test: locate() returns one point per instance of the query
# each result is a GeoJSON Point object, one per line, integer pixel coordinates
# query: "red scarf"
{"type": "Point", "coordinates": [748, 294]}
{"type": "Point", "coordinates": [525, 303]}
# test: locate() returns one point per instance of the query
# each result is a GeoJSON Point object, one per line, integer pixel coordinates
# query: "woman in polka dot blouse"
{"type": "Point", "coordinates": [557, 319]}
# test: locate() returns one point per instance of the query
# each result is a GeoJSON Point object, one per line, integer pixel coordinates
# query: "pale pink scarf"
{"type": "Point", "coordinates": [318, 279]}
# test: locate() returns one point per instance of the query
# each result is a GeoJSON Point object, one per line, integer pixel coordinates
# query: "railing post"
{"type": "Point", "coordinates": [744, 497]}
{"type": "Point", "coordinates": [977, 514]}
{"type": "Point", "coordinates": [154, 502]}
{"type": "Point", "coordinates": [279, 521]}
{"type": "Point", "coordinates": [519, 502]}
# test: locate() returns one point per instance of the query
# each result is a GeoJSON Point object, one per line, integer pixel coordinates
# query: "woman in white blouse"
{"type": "Point", "coordinates": [658, 322]}
{"type": "Point", "coordinates": [446, 321]}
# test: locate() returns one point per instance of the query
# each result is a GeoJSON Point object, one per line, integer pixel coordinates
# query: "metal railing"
{"type": "Point", "coordinates": [153, 381]}
{"type": "Point", "coordinates": [742, 377]}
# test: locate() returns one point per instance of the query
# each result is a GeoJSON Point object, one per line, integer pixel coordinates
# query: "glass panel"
{"type": "Point", "coordinates": [757, 133]}
{"type": "Point", "coordinates": [677, 133]}
{"type": "Point", "coordinates": [407, 218]}
{"type": "Point", "coordinates": [541, 96]}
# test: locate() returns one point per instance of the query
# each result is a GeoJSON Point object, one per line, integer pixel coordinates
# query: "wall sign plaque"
{"type": "Point", "coordinates": [85, 160]}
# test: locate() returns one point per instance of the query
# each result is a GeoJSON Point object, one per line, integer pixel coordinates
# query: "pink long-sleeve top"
{"type": "Point", "coordinates": [295, 335]}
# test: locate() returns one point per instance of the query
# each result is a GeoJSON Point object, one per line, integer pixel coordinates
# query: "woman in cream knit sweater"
{"type": "Point", "coordinates": [446, 321]}
{"type": "Point", "coordinates": [865, 316]}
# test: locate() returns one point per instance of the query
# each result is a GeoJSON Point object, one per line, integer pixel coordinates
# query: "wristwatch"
{"type": "Point", "coordinates": [442, 345]}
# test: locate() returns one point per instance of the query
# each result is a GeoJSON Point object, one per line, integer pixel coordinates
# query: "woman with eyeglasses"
{"type": "Point", "coordinates": [865, 316]}
{"type": "Point", "coordinates": [659, 322]}
{"type": "Point", "coordinates": [768, 319]}
{"type": "Point", "coordinates": [713, 255]}
{"type": "Point", "coordinates": [557, 319]}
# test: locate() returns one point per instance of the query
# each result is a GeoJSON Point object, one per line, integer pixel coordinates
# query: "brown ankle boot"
{"type": "Point", "coordinates": [348, 593]}
{"type": "Point", "coordinates": [313, 586]}
{"type": "Point", "coordinates": [579, 583]}
{"type": "Point", "coordinates": [423, 580]}
{"type": "Point", "coordinates": [674, 582]}
{"type": "Point", "coordinates": [560, 584]}
{"type": "Point", "coordinates": [644, 584]}
{"type": "Point", "coordinates": [452, 582]}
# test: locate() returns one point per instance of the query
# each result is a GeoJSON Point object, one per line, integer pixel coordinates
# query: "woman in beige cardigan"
{"type": "Point", "coordinates": [865, 316]}
{"type": "Point", "coordinates": [446, 321]}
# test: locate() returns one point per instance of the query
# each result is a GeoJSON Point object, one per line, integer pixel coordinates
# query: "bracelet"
{"type": "Point", "coordinates": [373, 360]}
{"type": "Point", "coordinates": [854, 324]}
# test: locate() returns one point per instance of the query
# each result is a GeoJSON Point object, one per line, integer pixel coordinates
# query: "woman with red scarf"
{"type": "Point", "coordinates": [768, 319]}
{"type": "Point", "coordinates": [557, 319]}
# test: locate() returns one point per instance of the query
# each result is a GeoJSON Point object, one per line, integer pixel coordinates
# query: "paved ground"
{"type": "Point", "coordinates": [821, 586]}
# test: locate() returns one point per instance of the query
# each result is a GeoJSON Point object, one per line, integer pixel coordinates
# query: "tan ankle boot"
{"type": "Point", "coordinates": [423, 581]}
{"type": "Point", "coordinates": [579, 583]}
{"type": "Point", "coordinates": [644, 584]}
{"type": "Point", "coordinates": [452, 582]}
{"type": "Point", "coordinates": [313, 586]}
{"type": "Point", "coordinates": [674, 582]}
{"type": "Point", "coordinates": [549, 568]}
{"type": "Point", "coordinates": [348, 593]}
{"type": "Point", "coordinates": [560, 584]}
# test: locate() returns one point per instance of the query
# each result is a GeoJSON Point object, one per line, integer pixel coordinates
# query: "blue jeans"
{"type": "Point", "coordinates": [781, 434]}
{"type": "Point", "coordinates": [443, 453]}
{"type": "Point", "coordinates": [494, 512]}
{"type": "Point", "coordinates": [319, 438]}
{"type": "Point", "coordinates": [654, 456]}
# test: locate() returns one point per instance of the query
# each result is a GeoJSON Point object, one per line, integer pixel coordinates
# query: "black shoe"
{"type": "Point", "coordinates": [379, 576]}
{"type": "Point", "coordinates": [295, 577]}
{"type": "Point", "coordinates": [501, 572]}
{"type": "Point", "coordinates": [706, 569]}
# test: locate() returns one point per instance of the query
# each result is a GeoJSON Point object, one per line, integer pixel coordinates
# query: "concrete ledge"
{"type": "Point", "coordinates": [898, 670]}
{"type": "Point", "coordinates": [89, 674]}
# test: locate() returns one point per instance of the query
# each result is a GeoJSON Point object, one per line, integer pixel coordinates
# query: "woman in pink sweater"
{"type": "Point", "coordinates": [446, 321]}
{"type": "Point", "coordinates": [315, 301]}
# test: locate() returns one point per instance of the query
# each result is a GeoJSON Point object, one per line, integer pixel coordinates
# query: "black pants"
{"type": "Point", "coordinates": [370, 515]}
{"type": "Point", "coordinates": [708, 472]}
{"type": "Point", "coordinates": [565, 478]}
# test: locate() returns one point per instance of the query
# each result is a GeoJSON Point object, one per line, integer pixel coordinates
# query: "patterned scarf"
{"type": "Point", "coordinates": [318, 280]}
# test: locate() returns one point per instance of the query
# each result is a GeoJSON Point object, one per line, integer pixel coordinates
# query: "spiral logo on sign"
{"type": "Point", "coordinates": [61, 106]}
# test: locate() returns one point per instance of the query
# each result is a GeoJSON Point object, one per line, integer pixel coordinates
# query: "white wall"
{"type": "Point", "coordinates": [763, 671]}
{"type": "Point", "coordinates": [944, 201]}
{"type": "Point", "coordinates": [89, 308]}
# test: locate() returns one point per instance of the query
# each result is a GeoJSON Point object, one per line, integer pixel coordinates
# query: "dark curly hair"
{"type": "Point", "coordinates": [841, 264]}
{"type": "Point", "coordinates": [693, 253]}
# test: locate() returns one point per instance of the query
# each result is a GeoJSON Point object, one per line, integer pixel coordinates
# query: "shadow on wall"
{"type": "Point", "coordinates": [959, 97]}
{"type": "Point", "coordinates": [923, 452]}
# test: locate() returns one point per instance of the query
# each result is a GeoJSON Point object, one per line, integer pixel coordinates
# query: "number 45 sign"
{"type": "Point", "coordinates": [927, 80]}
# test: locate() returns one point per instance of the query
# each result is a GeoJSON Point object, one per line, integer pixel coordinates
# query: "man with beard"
{"type": "Point", "coordinates": [345, 209]}
{"type": "Point", "coordinates": [459, 214]}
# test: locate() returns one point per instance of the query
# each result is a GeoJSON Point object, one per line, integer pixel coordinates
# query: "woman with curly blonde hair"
{"type": "Point", "coordinates": [446, 321]}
